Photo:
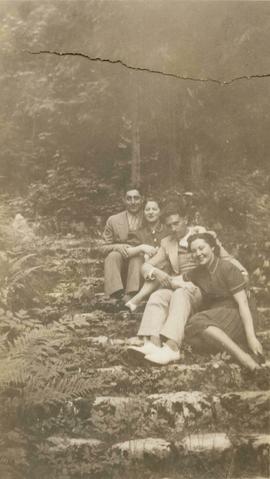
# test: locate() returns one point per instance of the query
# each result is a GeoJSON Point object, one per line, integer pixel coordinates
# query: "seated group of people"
{"type": "Point", "coordinates": [196, 289]}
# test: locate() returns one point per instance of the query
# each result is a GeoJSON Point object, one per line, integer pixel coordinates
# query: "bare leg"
{"type": "Point", "coordinates": [224, 340]}
{"type": "Point", "coordinates": [147, 288]}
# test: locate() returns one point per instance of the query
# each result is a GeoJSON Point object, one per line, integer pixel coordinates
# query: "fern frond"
{"type": "Point", "coordinates": [13, 372]}
{"type": "Point", "coordinates": [59, 390]}
{"type": "Point", "coordinates": [18, 263]}
{"type": "Point", "coordinates": [22, 275]}
{"type": "Point", "coordinates": [21, 345]}
{"type": "Point", "coordinates": [27, 354]}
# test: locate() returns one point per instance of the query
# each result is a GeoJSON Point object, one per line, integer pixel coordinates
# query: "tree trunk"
{"type": "Point", "coordinates": [136, 154]}
{"type": "Point", "coordinates": [196, 167]}
{"type": "Point", "coordinates": [135, 139]}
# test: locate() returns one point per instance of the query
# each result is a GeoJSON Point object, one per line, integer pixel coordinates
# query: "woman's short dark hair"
{"type": "Point", "coordinates": [208, 238]}
{"type": "Point", "coordinates": [152, 198]}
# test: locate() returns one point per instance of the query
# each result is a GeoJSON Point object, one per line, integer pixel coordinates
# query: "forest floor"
{"type": "Point", "coordinates": [200, 417]}
{"type": "Point", "coordinates": [75, 406]}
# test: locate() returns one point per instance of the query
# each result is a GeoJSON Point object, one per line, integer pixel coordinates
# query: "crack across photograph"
{"type": "Point", "coordinates": [149, 70]}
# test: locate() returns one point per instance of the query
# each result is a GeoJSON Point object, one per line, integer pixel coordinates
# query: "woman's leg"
{"type": "Point", "coordinates": [147, 288]}
{"type": "Point", "coordinates": [217, 335]}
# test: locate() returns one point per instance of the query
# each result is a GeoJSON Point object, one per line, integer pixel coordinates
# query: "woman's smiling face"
{"type": "Point", "coordinates": [202, 252]}
{"type": "Point", "coordinates": [151, 212]}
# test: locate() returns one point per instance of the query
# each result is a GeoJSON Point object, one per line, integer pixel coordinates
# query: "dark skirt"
{"type": "Point", "coordinates": [223, 315]}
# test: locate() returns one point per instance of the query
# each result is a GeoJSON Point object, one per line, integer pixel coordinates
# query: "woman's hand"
{"type": "Point", "coordinates": [149, 250]}
{"type": "Point", "coordinates": [122, 249]}
{"type": "Point", "coordinates": [255, 345]}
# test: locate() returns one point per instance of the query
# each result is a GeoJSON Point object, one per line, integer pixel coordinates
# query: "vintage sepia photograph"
{"type": "Point", "coordinates": [134, 239]}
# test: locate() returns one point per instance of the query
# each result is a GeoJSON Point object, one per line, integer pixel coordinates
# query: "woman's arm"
{"type": "Point", "coordinates": [245, 314]}
{"type": "Point", "coordinates": [138, 244]}
{"type": "Point", "coordinates": [141, 249]}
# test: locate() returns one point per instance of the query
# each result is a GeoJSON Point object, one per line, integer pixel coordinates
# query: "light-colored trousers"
{"type": "Point", "coordinates": [167, 312]}
{"type": "Point", "coordinates": [121, 273]}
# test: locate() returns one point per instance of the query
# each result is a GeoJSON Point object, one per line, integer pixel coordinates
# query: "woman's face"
{"type": "Point", "coordinates": [151, 212]}
{"type": "Point", "coordinates": [202, 252]}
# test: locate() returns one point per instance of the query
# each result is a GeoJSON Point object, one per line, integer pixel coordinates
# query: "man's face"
{"type": "Point", "coordinates": [177, 226]}
{"type": "Point", "coordinates": [133, 201]}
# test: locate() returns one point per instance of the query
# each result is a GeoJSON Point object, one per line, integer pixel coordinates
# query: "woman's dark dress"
{"type": "Point", "coordinates": [148, 235]}
{"type": "Point", "coordinates": [218, 284]}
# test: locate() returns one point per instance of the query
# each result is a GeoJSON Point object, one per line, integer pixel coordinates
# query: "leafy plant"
{"type": "Point", "coordinates": [34, 375]}
{"type": "Point", "coordinates": [71, 194]}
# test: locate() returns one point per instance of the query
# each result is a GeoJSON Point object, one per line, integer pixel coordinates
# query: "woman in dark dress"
{"type": "Point", "coordinates": [226, 320]}
{"type": "Point", "coordinates": [146, 242]}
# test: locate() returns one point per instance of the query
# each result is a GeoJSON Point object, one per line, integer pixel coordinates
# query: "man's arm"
{"type": "Point", "coordinates": [157, 262]}
{"type": "Point", "coordinates": [109, 240]}
{"type": "Point", "coordinates": [151, 269]}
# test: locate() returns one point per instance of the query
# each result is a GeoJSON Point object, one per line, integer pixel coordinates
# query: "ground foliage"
{"type": "Point", "coordinates": [67, 137]}
{"type": "Point", "coordinates": [48, 381]}
{"type": "Point", "coordinates": [46, 358]}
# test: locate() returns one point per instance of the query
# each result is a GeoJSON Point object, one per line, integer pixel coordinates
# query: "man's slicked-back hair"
{"type": "Point", "coordinates": [173, 209]}
{"type": "Point", "coordinates": [133, 186]}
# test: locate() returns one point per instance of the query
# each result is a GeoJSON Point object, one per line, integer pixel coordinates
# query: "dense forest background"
{"type": "Point", "coordinates": [172, 94]}
{"type": "Point", "coordinates": [94, 94]}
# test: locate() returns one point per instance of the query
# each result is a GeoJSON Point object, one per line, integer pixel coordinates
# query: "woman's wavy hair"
{"type": "Point", "coordinates": [208, 238]}
{"type": "Point", "coordinates": [152, 198]}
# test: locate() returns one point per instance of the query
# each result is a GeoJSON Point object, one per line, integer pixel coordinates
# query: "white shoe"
{"type": "Point", "coordinates": [165, 355]}
{"type": "Point", "coordinates": [147, 348]}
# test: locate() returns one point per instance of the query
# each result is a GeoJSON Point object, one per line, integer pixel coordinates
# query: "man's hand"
{"type": "Point", "coordinates": [163, 278]}
{"type": "Point", "coordinates": [122, 249]}
{"type": "Point", "coordinates": [255, 345]}
{"type": "Point", "coordinates": [177, 282]}
{"type": "Point", "coordinates": [149, 250]}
